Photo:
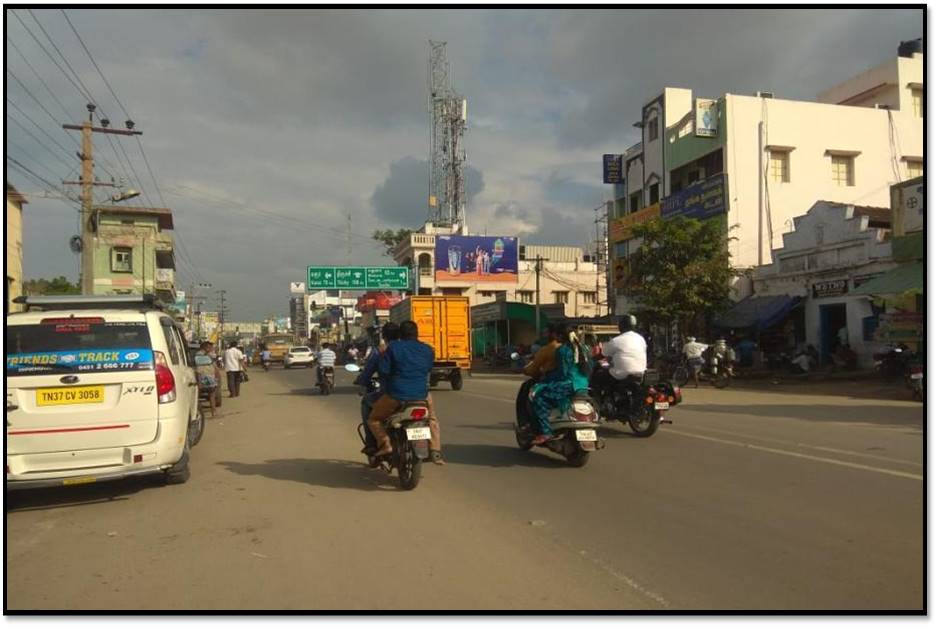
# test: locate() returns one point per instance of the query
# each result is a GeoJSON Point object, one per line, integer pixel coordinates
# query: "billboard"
{"type": "Point", "coordinates": [476, 258]}
{"type": "Point", "coordinates": [704, 199]}
{"type": "Point", "coordinates": [707, 118]}
{"type": "Point", "coordinates": [297, 287]}
{"type": "Point", "coordinates": [180, 303]}
{"type": "Point", "coordinates": [611, 169]}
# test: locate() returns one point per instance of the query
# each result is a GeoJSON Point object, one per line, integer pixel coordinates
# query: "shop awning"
{"type": "Point", "coordinates": [759, 312]}
{"type": "Point", "coordinates": [899, 280]}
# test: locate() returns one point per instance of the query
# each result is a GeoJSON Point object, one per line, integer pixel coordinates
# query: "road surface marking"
{"type": "Point", "coordinates": [805, 445]}
{"type": "Point", "coordinates": [794, 454]}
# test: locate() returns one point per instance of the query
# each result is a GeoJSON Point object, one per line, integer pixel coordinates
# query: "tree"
{"type": "Point", "coordinates": [58, 285]}
{"type": "Point", "coordinates": [390, 238]}
{"type": "Point", "coordinates": [681, 273]}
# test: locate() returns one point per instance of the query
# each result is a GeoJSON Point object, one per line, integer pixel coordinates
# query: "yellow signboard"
{"type": "Point", "coordinates": [620, 229]}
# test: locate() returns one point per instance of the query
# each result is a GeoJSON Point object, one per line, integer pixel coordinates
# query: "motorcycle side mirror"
{"type": "Point", "coordinates": [352, 368]}
{"type": "Point", "coordinates": [515, 355]}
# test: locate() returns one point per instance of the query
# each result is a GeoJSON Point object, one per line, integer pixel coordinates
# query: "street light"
{"type": "Point", "coordinates": [123, 196]}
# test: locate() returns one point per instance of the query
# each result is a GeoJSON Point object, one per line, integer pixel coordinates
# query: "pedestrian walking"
{"type": "Point", "coordinates": [234, 367]}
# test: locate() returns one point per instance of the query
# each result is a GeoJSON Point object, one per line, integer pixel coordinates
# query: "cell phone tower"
{"type": "Point", "coordinates": [447, 152]}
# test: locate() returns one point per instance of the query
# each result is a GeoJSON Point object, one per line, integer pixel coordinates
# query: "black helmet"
{"type": "Point", "coordinates": [627, 323]}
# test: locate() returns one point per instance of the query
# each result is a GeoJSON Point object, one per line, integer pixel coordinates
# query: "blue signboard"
{"type": "Point", "coordinates": [80, 360]}
{"type": "Point", "coordinates": [611, 169]}
{"type": "Point", "coordinates": [476, 258]}
{"type": "Point", "coordinates": [702, 200]}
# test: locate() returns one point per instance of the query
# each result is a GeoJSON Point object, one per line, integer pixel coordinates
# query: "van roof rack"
{"type": "Point", "coordinates": [90, 301]}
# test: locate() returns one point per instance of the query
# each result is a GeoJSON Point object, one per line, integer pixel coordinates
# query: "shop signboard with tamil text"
{"type": "Point", "coordinates": [620, 229]}
{"type": "Point", "coordinates": [702, 200]}
{"type": "Point", "coordinates": [831, 288]}
{"type": "Point", "coordinates": [611, 169]}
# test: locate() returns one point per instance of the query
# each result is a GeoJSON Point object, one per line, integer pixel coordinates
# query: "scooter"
{"type": "Point", "coordinates": [409, 434]}
{"type": "Point", "coordinates": [574, 433]}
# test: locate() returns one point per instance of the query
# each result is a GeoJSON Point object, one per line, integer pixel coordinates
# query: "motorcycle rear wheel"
{"type": "Point", "coordinates": [646, 423]}
{"type": "Point", "coordinates": [681, 375]}
{"type": "Point", "coordinates": [575, 455]}
{"type": "Point", "coordinates": [721, 379]}
{"type": "Point", "coordinates": [409, 466]}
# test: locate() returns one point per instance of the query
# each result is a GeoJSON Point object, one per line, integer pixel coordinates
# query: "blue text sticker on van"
{"type": "Point", "coordinates": [84, 360]}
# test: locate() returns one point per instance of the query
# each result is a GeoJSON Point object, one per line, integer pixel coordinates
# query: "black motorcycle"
{"type": "Point", "coordinates": [326, 382]}
{"type": "Point", "coordinates": [643, 412]}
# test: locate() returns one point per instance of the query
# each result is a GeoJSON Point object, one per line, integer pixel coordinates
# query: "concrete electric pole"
{"type": "Point", "coordinates": [87, 184]}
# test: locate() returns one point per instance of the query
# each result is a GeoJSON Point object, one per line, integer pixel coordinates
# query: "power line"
{"type": "Point", "coordinates": [38, 76]}
{"type": "Point", "coordinates": [26, 170]}
{"type": "Point", "coordinates": [36, 124]}
{"type": "Point", "coordinates": [95, 64]}
{"type": "Point", "coordinates": [37, 140]}
{"type": "Point", "coordinates": [37, 162]}
{"type": "Point", "coordinates": [64, 58]}
{"type": "Point", "coordinates": [81, 93]}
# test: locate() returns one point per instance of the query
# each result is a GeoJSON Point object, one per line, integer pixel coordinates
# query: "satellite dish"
{"type": "Point", "coordinates": [74, 243]}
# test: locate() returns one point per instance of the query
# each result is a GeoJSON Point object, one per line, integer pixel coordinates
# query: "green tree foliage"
{"type": "Point", "coordinates": [390, 238]}
{"type": "Point", "coordinates": [681, 272]}
{"type": "Point", "coordinates": [58, 285]}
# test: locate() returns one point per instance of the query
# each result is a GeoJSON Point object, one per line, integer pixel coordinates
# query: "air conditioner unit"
{"type": "Point", "coordinates": [764, 94]}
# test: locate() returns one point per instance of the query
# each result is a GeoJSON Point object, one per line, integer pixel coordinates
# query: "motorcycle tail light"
{"type": "Point", "coordinates": [418, 413]}
{"type": "Point", "coordinates": [670, 399]}
{"type": "Point", "coordinates": [583, 411]}
{"type": "Point", "coordinates": [649, 400]}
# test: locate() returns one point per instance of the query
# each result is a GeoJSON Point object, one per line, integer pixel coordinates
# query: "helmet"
{"type": "Point", "coordinates": [627, 323]}
{"type": "Point", "coordinates": [691, 338]}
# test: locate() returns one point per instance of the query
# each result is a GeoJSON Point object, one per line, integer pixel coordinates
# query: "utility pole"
{"type": "Point", "coordinates": [87, 183]}
{"type": "Point", "coordinates": [538, 267]}
{"type": "Point", "coordinates": [221, 313]}
{"type": "Point", "coordinates": [601, 253]}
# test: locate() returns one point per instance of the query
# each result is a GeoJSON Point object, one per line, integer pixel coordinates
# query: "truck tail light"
{"type": "Point", "coordinates": [165, 382]}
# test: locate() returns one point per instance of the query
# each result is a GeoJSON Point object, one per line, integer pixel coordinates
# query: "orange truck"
{"type": "Point", "coordinates": [445, 325]}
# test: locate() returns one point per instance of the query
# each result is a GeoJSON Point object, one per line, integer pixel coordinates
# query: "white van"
{"type": "Point", "coordinates": [98, 388]}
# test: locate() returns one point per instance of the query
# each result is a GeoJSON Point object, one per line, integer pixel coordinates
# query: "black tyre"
{"type": "Point", "coordinates": [681, 375]}
{"type": "Point", "coordinates": [409, 467]}
{"type": "Point", "coordinates": [433, 381]}
{"type": "Point", "coordinates": [646, 423]}
{"type": "Point", "coordinates": [722, 378]}
{"type": "Point", "coordinates": [456, 381]}
{"type": "Point", "coordinates": [578, 458]}
{"type": "Point", "coordinates": [196, 428]}
{"type": "Point", "coordinates": [179, 473]}
{"type": "Point", "coordinates": [523, 437]}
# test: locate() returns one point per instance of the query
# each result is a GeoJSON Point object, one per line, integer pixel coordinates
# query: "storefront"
{"type": "Point", "coordinates": [833, 251]}
{"type": "Point", "coordinates": [508, 324]}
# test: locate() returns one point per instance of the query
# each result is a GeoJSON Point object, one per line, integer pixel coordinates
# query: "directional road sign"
{"type": "Point", "coordinates": [357, 278]}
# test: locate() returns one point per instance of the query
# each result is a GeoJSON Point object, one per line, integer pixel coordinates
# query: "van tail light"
{"type": "Point", "coordinates": [418, 413]}
{"type": "Point", "coordinates": [165, 382]}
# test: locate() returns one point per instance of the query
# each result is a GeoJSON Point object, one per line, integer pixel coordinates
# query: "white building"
{"type": "Point", "coordinates": [568, 277]}
{"type": "Point", "coordinates": [757, 162]}
{"type": "Point", "coordinates": [316, 302]}
{"type": "Point", "coordinates": [833, 249]}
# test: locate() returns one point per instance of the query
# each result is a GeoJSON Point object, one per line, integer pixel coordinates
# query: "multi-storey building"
{"type": "Point", "coordinates": [757, 162]}
{"type": "Point", "coordinates": [14, 235]}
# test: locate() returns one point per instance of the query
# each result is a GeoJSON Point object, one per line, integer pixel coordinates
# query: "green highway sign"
{"type": "Point", "coordinates": [357, 278]}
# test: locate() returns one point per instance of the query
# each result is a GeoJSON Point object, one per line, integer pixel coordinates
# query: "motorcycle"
{"type": "Point", "coordinates": [409, 434]}
{"type": "Point", "coordinates": [893, 362]}
{"type": "Point", "coordinates": [915, 381]}
{"type": "Point", "coordinates": [574, 433]}
{"type": "Point", "coordinates": [326, 383]}
{"type": "Point", "coordinates": [644, 414]}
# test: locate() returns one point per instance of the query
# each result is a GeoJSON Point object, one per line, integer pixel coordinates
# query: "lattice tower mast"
{"type": "Point", "coordinates": [447, 152]}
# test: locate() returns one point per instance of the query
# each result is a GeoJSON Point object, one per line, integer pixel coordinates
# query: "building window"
{"type": "Point", "coordinates": [654, 193]}
{"type": "Point", "coordinates": [561, 297]}
{"type": "Point", "coordinates": [525, 296]}
{"type": "Point", "coordinates": [121, 259]}
{"type": "Point", "coordinates": [588, 298]}
{"type": "Point", "coordinates": [843, 170]}
{"type": "Point", "coordinates": [635, 202]}
{"type": "Point", "coordinates": [621, 249]}
{"type": "Point", "coordinates": [653, 128]}
{"type": "Point", "coordinates": [915, 168]}
{"type": "Point", "coordinates": [917, 101]}
{"type": "Point", "coordinates": [452, 292]}
{"type": "Point", "coordinates": [780, 166]}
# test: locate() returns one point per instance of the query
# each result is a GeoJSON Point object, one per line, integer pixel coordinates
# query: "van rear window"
{"type": "Point", "coordinates": [76, 346]}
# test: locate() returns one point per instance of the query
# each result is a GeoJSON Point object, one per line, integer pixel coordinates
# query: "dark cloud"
{"type": "Point", "coordinates": [401, 199]}
{"type": "Point", "coordinates": [299, 112]}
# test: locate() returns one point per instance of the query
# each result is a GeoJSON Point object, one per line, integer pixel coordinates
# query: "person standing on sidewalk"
{"type": "Point", "coordinates": [234, 366]}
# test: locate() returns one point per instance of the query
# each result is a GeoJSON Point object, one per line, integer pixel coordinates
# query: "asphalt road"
{"type": "Point", "coordinates": [756, 500]}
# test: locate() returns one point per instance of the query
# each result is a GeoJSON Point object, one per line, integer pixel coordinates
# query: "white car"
{"type": "Point", "coordinates": [98, 388]}
{"type": "Point", "coordinates": [298, 356]}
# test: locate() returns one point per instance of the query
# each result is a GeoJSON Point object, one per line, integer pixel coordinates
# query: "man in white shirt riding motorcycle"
{"type": "Point", "coordinates": [627, 357]}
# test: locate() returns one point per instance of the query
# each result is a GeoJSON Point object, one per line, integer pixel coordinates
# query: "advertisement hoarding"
{"type": "Point", "coordinates": [707, 118]}
{"type": "Point", "coordinates": [702, 200]}
{"type": "Point", "coordinates": [476, 258]}
{"type": "Point", "coordinates": [611, 169]}
{"type": "Point", "coordinates": [297, 287]}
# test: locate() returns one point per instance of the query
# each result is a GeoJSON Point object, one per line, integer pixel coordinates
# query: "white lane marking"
{"type": "Point", "coordinates": [794, 454]}
{"type": "Point", "coordinates": [784, 452]}
{"type": "Point", "coordinates": [834, 450]}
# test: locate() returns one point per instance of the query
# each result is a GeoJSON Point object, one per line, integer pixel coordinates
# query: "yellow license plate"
{"type": "Point", "coordinates": [72, 394]}
{"type": "Point", "coordinates": [82, 480]}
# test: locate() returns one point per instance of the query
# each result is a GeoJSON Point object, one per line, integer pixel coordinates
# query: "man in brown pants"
{"type": "Point", "coordinates": [405, 365]}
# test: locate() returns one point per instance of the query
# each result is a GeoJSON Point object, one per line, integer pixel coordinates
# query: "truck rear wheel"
{"type": "Point", "coordinates": [456, 380]}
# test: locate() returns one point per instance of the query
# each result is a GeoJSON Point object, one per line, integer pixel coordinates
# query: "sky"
{"type": "Point", "coordinates": [266, 129]}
